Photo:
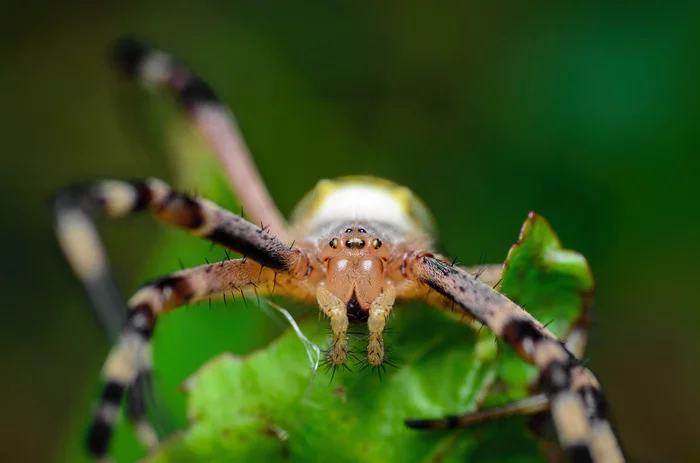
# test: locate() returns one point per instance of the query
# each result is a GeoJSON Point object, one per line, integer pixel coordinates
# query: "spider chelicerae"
{"type": "Point", "coordinates": [355, 247]}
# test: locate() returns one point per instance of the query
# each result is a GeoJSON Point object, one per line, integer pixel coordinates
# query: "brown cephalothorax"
{"type": "Point", "coordinates": [355, 267]}
{"type": "Point", "coordinates": [354, 246]}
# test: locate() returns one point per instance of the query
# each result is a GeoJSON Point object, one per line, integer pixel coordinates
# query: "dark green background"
{"type": "Point", "coordinates": [586, 113]}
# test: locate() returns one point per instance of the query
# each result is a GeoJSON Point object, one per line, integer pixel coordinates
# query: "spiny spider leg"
{"type": "Point", "coordinates": [130, 356]}
{"type": "Point", "coordinates": [488, 273]}
{"type": "Point", "coordinates": [213, 119]}
{"type": "Point", "coordinates": [76, 206]}
{"type": "Point", "coordinates": [575, 343]}
{"type": "Point", "coordinates": [75, 209]}
{"type": "Point", "coordinates": [576, 401]}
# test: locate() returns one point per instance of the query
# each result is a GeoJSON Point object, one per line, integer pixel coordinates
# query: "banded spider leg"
{"type": "Point", "coordinates": [212, 118]}
{"type": "Point", "coordinates": [81, 244]}
{"type": "Point", "coordinates": [577, 403]}
{"type": "Point", "coordinates": [271, 262]}
{"type": "Point", "coordinates": [574, 341]}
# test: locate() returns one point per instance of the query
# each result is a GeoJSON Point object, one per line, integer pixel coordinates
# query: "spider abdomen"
{"type": "Point", "coordinates": [389, 211]}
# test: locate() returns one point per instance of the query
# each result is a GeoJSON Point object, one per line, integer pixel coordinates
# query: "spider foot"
{"type": "Point", "coordinates": [447, 422]}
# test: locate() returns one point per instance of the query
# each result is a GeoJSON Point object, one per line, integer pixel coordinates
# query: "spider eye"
{"type": "Point", "coordinates": [362, 230]}
{"type": "Point", "coordinates": [354, 243]}
{"type": "Point", "coordinates": [334, 243]}
{"type": "Point", "coordinates": [376, 244]}
{"type": "Point", "coordinates": [348, 230]}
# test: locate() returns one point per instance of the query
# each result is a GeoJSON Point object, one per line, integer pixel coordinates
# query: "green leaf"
{"type": "Point", "coordinates": [236, 403]}
{"type": "Point", "coordinates": [552, 283]}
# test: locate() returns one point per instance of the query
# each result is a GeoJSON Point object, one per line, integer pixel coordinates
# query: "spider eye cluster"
{"type": "Point", "coordinates": [355, 243]}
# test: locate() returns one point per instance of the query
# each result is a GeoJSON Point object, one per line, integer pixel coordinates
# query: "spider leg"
{"type": "Point", "coordinates": [577, 337]}
{"type": "Point", "coordinates": [75, 210]}
{"type": "Point", "coordinates": [76, 207]}
{"type": "Point", "coordinates": [577, 403]}
{"type": "Point", "coordinates": [488, 273]}
{"type": "Point", "coordinates": [575, 343]}
{"type": "Point", "coordinates": [130, 357]}
{"type": "Point", "coordinates": [214, 121]}
{"type": "Point", "coordinates": [534, 404]}
{"type": "Point", "coordinates": [136, 402]}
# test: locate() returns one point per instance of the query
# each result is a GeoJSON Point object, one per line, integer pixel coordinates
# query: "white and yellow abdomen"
{"type": "Point", "coordinates": [367, 201]}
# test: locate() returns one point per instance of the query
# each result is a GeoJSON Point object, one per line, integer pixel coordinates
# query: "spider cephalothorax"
{"type": "Point", "coordinates": [355, 262]}
{"type": "Point", "coordinates": [354, 246]}
{"type": "Point", "coordinates": [355, 289]}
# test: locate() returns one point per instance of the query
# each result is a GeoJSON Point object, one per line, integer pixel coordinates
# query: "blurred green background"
{"type": "Point", "coordinates": [584, 112]}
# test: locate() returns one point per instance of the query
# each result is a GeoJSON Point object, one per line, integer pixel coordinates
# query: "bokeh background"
{"type": "Point", "coordinates": [586, 112]}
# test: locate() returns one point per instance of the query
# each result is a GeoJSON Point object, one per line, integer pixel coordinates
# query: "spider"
{"type": "Point", "coordinates": [355, 246]}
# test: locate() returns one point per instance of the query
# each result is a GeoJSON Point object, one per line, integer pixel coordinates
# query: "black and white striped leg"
{"type": "Point", "coordinates": [577, 404]}
{"type": "Point", "coordinates": [129, 361]}
{"type": "Point", "coordinates": [138, 396]}
{"type": "Point", "coordinates": [75, 210]}
{"type": "Point", "coordinates": [213, 119]}
{"type": "Point", "coordinates": [575, 343]}
{"type": "Point", "coordinates": [120, 371]}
